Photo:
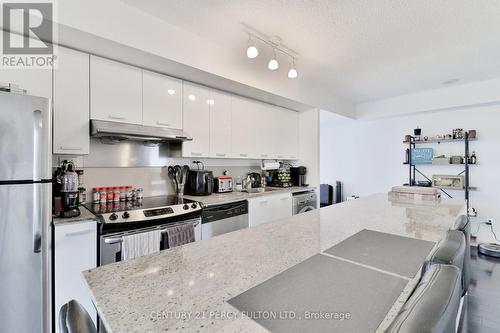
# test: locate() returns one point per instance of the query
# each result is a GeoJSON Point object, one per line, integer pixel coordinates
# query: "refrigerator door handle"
{"type": "Point", "coordinates": [37, 145]}
{"type": "Point", "coordinates": [37, 218]}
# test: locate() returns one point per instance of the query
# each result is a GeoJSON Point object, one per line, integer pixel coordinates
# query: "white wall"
{"type": "Point", "coordinates": [367, 155]}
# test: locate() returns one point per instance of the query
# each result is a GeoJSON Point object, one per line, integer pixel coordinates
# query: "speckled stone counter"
{"type": "Point", "coordinates": [221, 198]}
{"type": "Point", "coordinates": [85, 215]}
{"type": "Point", "coordinates": [187, 288]}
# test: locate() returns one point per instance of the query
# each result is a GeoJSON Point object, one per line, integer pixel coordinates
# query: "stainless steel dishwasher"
{"type": "Point", "coordinates": [220, 219]}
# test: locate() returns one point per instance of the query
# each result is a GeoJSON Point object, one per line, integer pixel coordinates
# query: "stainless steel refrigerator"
{"type": "Point", "coordinates": [25, 213]}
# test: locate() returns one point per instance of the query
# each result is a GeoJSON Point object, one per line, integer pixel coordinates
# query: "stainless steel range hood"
{"type": "Point", "coordinates": [115, 131]}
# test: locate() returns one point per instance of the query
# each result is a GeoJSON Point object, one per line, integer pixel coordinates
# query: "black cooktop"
{"type": "Point", "coordinates": [145, 203]}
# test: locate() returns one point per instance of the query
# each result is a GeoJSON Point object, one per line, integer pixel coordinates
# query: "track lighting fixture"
{"type": "Point", "coordinates": [276, 45]}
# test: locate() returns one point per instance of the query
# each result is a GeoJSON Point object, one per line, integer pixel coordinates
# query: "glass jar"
{"type": "Point", "coordinates": [109, 194]}
{"type": "Point", "coordinates": [139, 193]}
{"type": "Point", "coordinates": [129, 193]}
{"type": "Point", "coordinates": [116, 194]}
{"type": "Point", "coordinates": [123, 193]}
{"type": "Point", "coordinates": [103, 195]}
{"type": "Point", "coordinates": [96, 195]}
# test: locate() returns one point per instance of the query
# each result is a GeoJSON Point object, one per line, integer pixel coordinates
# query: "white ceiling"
{"type": "Point", "coordinates": [361, 50]}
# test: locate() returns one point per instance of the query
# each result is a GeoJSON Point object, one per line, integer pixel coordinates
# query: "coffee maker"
{"type": "Point", "coordinates": [66, 192]}
{"type": "Point", "coordinates": [298, 176]}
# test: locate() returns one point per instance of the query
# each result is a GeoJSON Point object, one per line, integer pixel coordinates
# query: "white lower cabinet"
{"type": "Point", "coordinates": [75, 251]}
{"type": "Point", "coordinates": [267, 208]}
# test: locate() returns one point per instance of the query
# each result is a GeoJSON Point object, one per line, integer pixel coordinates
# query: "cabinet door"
{"type": "Point", "coordinates": [282, 206]}
{"type": "Point", "coordinates": [115, 91]}
{"type": "Point", "coordinates": [244, 120]}
{"type": "Point", "coordinates": [260, 210]}
{"type": "Point", "coordinates": [75, 250]}
{"type": "Point", "coordinates": [71, 103]}
{"type": "Point", "coordinates": [196, 120]}
{"type": "Point", "coordinates": [220, 125]}
{"type": "Point", "coordinates": [267, 144]}
{"type": "Point", "coordinates": [287, 128]}
{"type": "Point", "coordinates": [162, 100]}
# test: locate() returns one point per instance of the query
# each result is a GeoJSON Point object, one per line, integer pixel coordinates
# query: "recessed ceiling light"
{"type": "Point", "coordinates": [192, 97]}
{"type": "Point", "coordinates": [451, 81]}
{"type": "Point", "coordinates": [171, 91]}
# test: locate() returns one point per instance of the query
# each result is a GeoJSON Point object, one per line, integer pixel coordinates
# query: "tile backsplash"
{"type": "Point", "coordinates": [153, 180]}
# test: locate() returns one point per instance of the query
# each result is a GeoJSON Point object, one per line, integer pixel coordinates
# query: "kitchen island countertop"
{"type": "Point", "coordinates": [187, 288]}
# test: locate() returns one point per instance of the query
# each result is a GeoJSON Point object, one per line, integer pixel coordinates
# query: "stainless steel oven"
{"type": "Point", "coordinates": [111, 243]}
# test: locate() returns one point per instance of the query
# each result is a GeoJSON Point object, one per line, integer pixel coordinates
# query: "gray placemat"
{"type": "Point", "coordinates": [322, 285]}
{"type": "Point", "coordinates": [392, 253]}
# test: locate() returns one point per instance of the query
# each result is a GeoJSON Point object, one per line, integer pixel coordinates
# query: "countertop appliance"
{"type": "Point", "coordinates": [26, 210]}
{"type": "Point", "coordinates": [224, 218]}
{"type": "Point", "coordinates": [304, 202]}
{"type": "Point", "coordinates": [254, 179]}
{"type": "Point", "coordinates": [200, 181]}
{"type": "Point", "coordinates": [298, 175]}
{"type": "Point", "coordinates": [125, 218]}
{"type": "Point", "coordinates": [223, 184]}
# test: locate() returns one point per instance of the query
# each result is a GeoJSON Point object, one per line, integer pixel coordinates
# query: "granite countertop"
{"type": "Point", "coordinates": [85, 215]}
{"type": "Point", "coordinates": [187, 288]}
{"type": "Point", "coordinates": [221, 198]}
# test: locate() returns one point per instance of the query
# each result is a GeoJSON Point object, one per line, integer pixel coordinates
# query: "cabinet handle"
{"type": "Point", "coordinates": [162, 123]}
{"type": "Point", "coordinates": [220, 154]}
{"type": "Point", "coordinates": [293, 156]}
{"type": "Point", "coordinates": [280, 156]}
{"type": "Point", "coordinates": [116, 118]}
{"type": "Point", "coordinates": [285, 198]}
{"type": "Point", "coordinates": [195, 153]}
{"type": "Point", "coordinates": [77, 233]}
{"type": "Point", "coordinates": [243, 155]}
{"type": "Point", "coordinates": [263, 155]}
{"type": "Point", "coordinates": [263, 201]}
{"type": "Point", "coordinates": [70, 148]}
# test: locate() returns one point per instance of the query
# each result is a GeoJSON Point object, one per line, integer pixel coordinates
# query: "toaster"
{"type": "Point", "coordinates": [223, 184]}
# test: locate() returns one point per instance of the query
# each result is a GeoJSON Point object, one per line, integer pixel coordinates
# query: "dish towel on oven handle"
{"type": "Point", "coordinates": [140, 244]}
{"type": "Point", "coordinates": [180, 234]}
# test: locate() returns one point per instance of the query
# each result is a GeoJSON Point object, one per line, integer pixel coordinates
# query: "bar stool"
{"type": "Point", "coordinates": [73, 318]}
{"type": "Point", "coordinates": [433, 305]}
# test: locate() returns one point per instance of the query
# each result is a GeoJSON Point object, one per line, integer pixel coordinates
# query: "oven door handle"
{"type": "Point", "coordinates": [114, 240]}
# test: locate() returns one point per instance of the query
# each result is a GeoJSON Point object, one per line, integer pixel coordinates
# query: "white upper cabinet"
{"type": "Point", "coordinates": [244, 128]}
{"type": "Point", "coordinates": [287, 130]}
{"type": "Point", "coordinates": [267, 133]}
{"type": "Point", "coordinates": [115, 91]}
{"type": "Point", "coordinates": [162, 100]}
{"type": "Point", "coordinates": [71, 103]}
{"type": "Point", "coordinates": [196, 120]}
{"type": "Point", "coordinates": [220, 124]}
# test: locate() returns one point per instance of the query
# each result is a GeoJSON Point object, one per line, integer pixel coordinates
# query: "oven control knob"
{"type": "Point", "coordinates": [185, 207]}
{"type": "Point", "coordinates": [126, 215]}
{"type": "Point", "coordinates": [113, 217]}
{"type": "Point", "coordinates": [193, 205]}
